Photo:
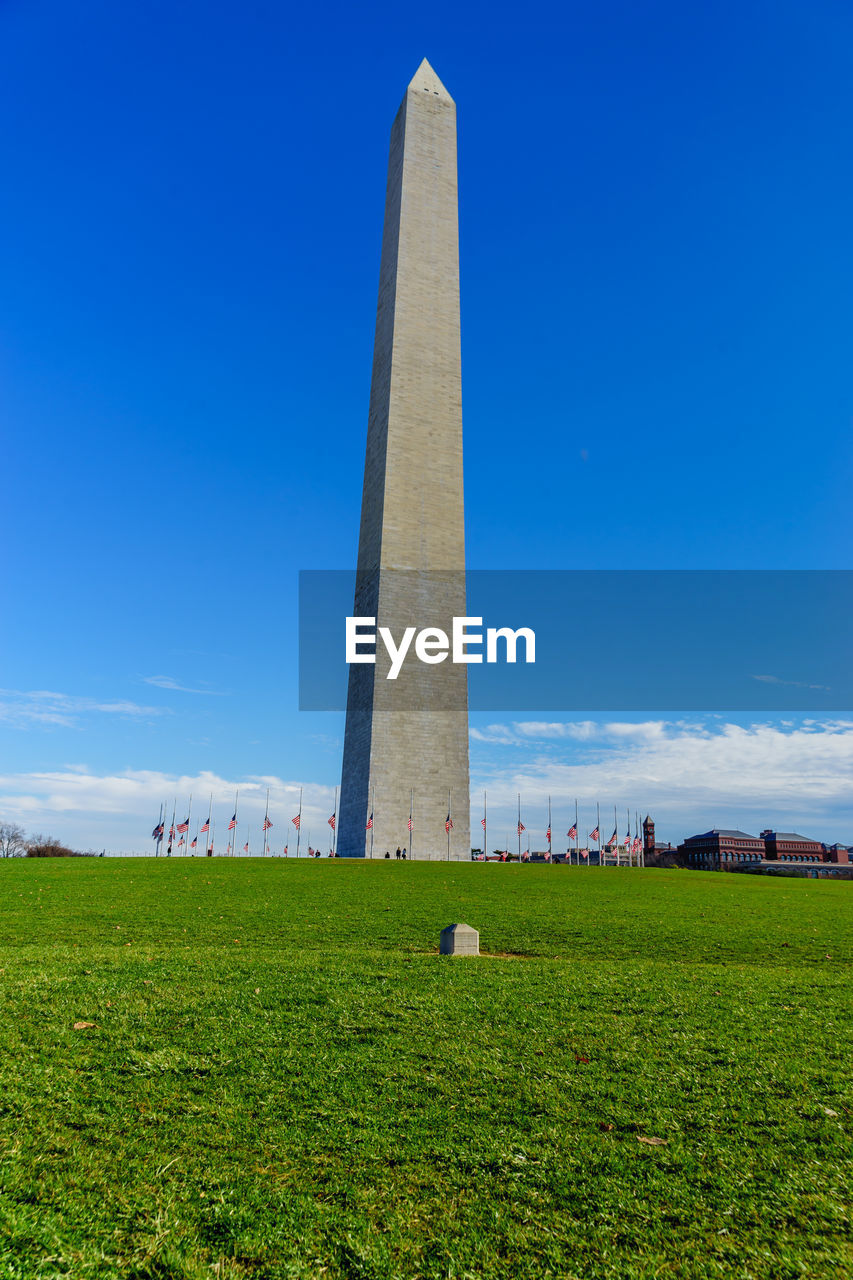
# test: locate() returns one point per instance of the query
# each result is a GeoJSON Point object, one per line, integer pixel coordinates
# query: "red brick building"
{"type": "Point", "coordinates": [655, 854]}
{"type": "Point", "coordinates": [720, 848]}
{"type": "Point", "coordinates": [788, 846]}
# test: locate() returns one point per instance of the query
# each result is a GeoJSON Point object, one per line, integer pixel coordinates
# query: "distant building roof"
{"type": "Point", "coordinates": [790, 835]}
{"type": "Point", "coordinates": [724, 831]}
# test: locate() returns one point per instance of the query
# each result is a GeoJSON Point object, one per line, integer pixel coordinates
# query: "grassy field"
{"type": "Point", "coordinates": [648, 1076]}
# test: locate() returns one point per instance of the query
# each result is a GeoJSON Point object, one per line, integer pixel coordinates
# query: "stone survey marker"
{"type": "Point", "coordinates": [459, 940]}
{"type": "Point", "coordinates": [406, 740]}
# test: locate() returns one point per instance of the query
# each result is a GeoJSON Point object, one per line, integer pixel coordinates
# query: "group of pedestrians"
{"type": "Point", "coordinates": [401, 853]}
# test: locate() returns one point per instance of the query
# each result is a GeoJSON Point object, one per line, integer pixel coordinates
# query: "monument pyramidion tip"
{"type": "Point", "coordinates": [427, 81]}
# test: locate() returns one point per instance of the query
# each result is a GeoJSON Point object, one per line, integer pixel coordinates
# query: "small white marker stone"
{"type": "Point", "coordinates": [459, 940]}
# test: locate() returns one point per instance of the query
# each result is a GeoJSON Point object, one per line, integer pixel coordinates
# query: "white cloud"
{"type": "Point", "coordinates": [23, 709]}
{"type": "Point", "coordinates": [684, 770]}
{"type": "Point", "coordinates": [168, 682]}
{"type": "Point", "coordinates": [796, 684]}
{"type": "Point", "coordinates": [689, 776]}
{"type": "Point", "coordinates": [120, 810]}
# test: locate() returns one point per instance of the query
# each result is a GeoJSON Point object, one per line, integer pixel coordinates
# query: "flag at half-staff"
{"type": "Point", "coordinates": [267, 824]}
{"type": "Point", "coordinates": [297, 822]}
{"type": "Point", "coordinates": [158, 833]}
{"type": "Point", "coordinates": [333, 821]}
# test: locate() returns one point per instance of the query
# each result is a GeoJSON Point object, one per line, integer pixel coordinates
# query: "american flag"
{"type": "Point", "coordinates": [548, 835]}
{"type": "Point", "coordinates": [331, 821]}
{"type": "Point", "coordinates": [296, 821]}
{"type": "Point", "coordinates": [635, 847]}
{"type": "Point", "coordinates": [184, 826]}
{"type": "Point", "coordinates": [246, 847]}
{"type": "Point", "coordinates": [285, 851]}
{"type": "Point", "coordinates": [369, 826]}
{"type": "Point", "coordinates": [180, 842]}
{"type": "Point", "coordinates": [310, 852]}
{"type": "Point", "coordinates": [267, 824]}
{"type": "Point", "coordinates": [483, 823]}
{"type": "Point", "coordinates": [584, 853]}
{"type": "Point", "coordinates": [595, 835]}
{"type": "Point", "coordinates": [448, 823]}
{"type": "Point", "coordinates": [232, 824]}
{"type": "Point", "coordinates": [628, 839]}
{"type": "Point", "coordinates": [206, 827]}
{"type": "Point", "coordinates": [521, 827]}
{"type": "Point", "coordinates": [411, 824]}
{"type": "Point", "coordinates": [172, 831]}
{"type": "Point", "coordinates": [193, 843]}
{"type": "Point", "coordinates": [614, 839]}
{"type": "Point", "coordinates": [157, 833]}
{"type": "Point", "coordinates": [573, 831]}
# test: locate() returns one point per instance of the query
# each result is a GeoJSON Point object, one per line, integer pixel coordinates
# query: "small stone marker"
{"type": "Point", "coordinates": [459, 940]}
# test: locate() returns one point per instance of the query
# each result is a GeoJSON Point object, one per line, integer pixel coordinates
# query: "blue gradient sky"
{"type": "Point", "coordinates": [657, 283]}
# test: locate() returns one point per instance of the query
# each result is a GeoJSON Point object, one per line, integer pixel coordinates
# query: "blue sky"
{"type": "Point", "coordinates": [657, 289]}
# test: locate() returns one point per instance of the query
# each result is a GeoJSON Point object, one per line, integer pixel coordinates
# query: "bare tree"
{"type": "Point", "coordinates": [12, 840]}
{"type": "Point", "coordinates": [48, 847]}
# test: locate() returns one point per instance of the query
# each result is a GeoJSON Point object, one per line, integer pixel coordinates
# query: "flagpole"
{"type": "Point", "coordinates": [266, 828]}
{"type": "Point", "coordinates": [549, 828]}
{"type": "Point", "coordinates": [335, 827]}
{"type": "Point", "coordinates": [598, 830]}
{"type": "Point", "coordinates": [485, 827]}
{"type": "Point", "coordinates": [209, 853]}
{"type": "Point", "coordinates": [412, 824]}
{"type": "Point", "coordinates": [447, 824]}
{"type": "Point", "coordinates": [172, 827]}
{"type": "Point", "coordinates": [197, 825]}
{"type": "Point", "coordinates": [189, 815]}
{"type": "Point", "coordinates": [159, 832]}
{"type": "Point", "coordinates": [236, 828]}
{"type": "Point", "coordinates": [299, 824]}
{"type": "Point", "coordinates": [577, 836]}
{"type": "Point", "coordinates": [209, 816]}
{"type": "Point", "coordinates": [372, 819]}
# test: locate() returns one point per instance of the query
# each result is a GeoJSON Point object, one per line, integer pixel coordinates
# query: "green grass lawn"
{"type": "Point", "coordinates": [284, 1079]}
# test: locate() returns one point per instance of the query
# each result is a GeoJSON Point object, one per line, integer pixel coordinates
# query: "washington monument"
{"type": "Point", "coordinates": [405, 766]}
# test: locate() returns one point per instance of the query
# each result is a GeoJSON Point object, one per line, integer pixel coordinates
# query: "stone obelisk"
{"type": "Point", "coordinates": [406, 741]}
